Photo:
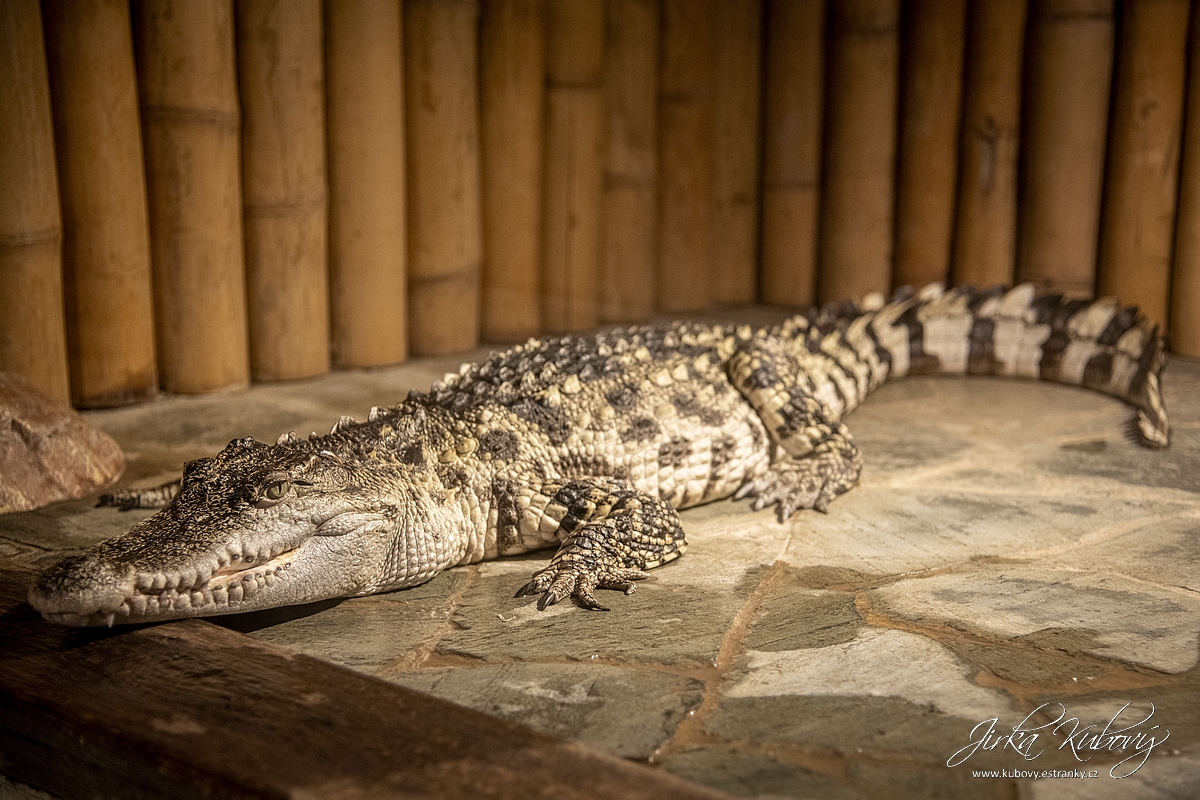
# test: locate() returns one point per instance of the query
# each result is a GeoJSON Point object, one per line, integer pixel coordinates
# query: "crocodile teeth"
{"type": "Point", "coordinates": [110, 617]}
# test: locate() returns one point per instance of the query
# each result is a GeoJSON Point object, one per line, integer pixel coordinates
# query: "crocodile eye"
{"type": "Point", "coordinates": [276, 490]}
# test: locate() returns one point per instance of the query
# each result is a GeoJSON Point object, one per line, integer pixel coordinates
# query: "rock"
{"type": "Point", "coordinates": [47, 451]}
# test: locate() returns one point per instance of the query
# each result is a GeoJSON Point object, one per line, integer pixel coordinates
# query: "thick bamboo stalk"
{"type": "Point", "coordinates": [738, 55]}
{"type": "Point", "coordinates": [513, 56]}
{"type": "Point", "coordinates": [927, 174]}
{"type": "Point", "coordinates": [32, 338]}
{"type": "Point", "coordinates": [1185, 274]}
{"type": "Point", "coordinates": [445, 241]}
{"type": "Point", "coordinates": [1064, 139]}
{"type": "Point", "coordinates": [986, 217]}
{"type": "Point", "coordinates": [1143, 163]}
{"type": "Point", "coordinates": [107, 287]}
{"type": "Point", "coordinates": [629, 250]}
{"type": "Point", "coordinates": [368, 255]}
{"type": "Point", "coordinates": [685, 155]}
{"type": "Point", "coordinates": [574, 164]}
{"type": "Point", "coordinates": [281, 78]}
{"type": "Point", "coordinates": [187, 83]}
{"type": "Point", "coordinates": [860, 149]}
{"type": "Point", "coordinates": [792, 150]}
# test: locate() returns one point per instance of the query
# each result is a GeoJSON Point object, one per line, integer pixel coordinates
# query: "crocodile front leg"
{"type": "Point", "coordinates": [609, 531]}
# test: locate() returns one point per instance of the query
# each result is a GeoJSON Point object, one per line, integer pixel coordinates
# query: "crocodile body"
{"type": "Point", "coordinates": [587, 443]}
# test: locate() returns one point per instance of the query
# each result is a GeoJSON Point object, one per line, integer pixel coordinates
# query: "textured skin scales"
{"type": "Point", "coordinates": [588, 444]}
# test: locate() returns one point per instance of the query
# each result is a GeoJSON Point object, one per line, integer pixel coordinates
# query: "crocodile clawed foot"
{"type": "Point", "coordinates": [578, 580]}
{"type": "Point", "coordinates": [795, 485]}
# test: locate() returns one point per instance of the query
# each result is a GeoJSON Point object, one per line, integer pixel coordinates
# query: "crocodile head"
{"type": "Point", "coordinates": [260, 526]}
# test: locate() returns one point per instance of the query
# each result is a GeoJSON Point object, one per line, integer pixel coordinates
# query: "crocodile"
{"type": "Point", "coordinates": [590, 443]}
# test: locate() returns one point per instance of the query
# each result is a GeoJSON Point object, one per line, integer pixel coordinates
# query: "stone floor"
{"type": "Point", "coordinates": [1007, 551]}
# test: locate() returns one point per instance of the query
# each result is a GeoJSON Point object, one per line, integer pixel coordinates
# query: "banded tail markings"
{"type": "Point", "coordinates": [1096, 344]}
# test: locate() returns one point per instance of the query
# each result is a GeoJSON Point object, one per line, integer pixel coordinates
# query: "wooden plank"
{"type": "Point", "coordinates": [107, 288]}
{"type": "Point", "coordinates": [737, 31]}
{"type": "Point", "coordinates": [445, 225]}
{"type": "Point", "coordinates": [629, 243]}
{"type": "Point", "coordinates": [32, 337]}
{"type": "Point", "coordinates": [1138, 226]}
{"type": "Point", "coordinates": [191, 710]}
{"type": "Point", "coordinates": [368, 241]}
{"type": "Point", "coordinates": [685, 146]}
{"type": "Point", "coordinates": [792, 151]}
{"type": "Point", "coordinates": [1063, 141]}
{"type": "Point", "coordinates": [574, 164]}
{"type": "Point", "coordinates": [513, 77]}
{"type": "Point", "coordinates": [986, 223]}
{"type": "Point", "coordinates": [1185, 273]}
{"type": "Point", "coordinates": [191, 128]}
{"type": "Point", "coordinates": [284, 189]}
{"type": "Point", "coordinates": [927, 172]}
{"type": "Point", "coordinates": [862, 90]}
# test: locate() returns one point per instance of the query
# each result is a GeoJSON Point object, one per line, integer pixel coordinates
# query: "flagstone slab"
{"type": "Point", "coordinates": [887, 531]}
{"type": "Point", "coordinates": [1095, 614]}
{"type": "Point", "coordinates": [884, 690]}
{"type": "Point", "coordinates": [363, 633]}
{"type": "Point", "coordinates": [1165, 551]}
{"type": "Point", "coordinates": [625, 712]}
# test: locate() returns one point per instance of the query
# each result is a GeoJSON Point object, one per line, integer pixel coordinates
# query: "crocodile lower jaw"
{"type": "Point", "coordinates": [220, 594]}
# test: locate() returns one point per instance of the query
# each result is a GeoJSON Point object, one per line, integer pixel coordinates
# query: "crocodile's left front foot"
{"type": "Point", "coordinates": [579, 580]}
{"type": "Point", "coordinates": [810, 482]}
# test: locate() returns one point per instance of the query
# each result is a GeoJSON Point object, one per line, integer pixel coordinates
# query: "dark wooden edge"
{"type": "Point", "coordinates": [193, 710]}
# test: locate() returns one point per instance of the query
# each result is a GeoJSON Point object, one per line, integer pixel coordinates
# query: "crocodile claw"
{"type": "Point", "coordinates": [560, 581]}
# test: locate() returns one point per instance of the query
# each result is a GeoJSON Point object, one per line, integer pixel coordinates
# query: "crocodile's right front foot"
{"type": "Point", "coordinates": [579, 580]}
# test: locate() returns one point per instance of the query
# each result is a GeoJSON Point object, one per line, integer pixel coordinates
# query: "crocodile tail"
{"type": "Point", "coordinates": [1097, 344]}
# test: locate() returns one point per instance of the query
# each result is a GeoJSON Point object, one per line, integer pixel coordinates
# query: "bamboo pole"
{"type": "Point", "coordinates": [445, 241]}
{"type": "Point", "coordinates": [737, 25]}
{"type": "Point", "coordinates": [187, 82]}
{"type": "Point", "coordinates": [927, 175]}
{"type": "Point", "coordinates": [32, 338]}
{"type": "Point", "coordinates": [629, 249]}
{"type": "Point", "coordinates": [513, 56]}
{"type": "Point", "coordinates": [860, 150]}
{"type": "Point", "coordinates": [1064, 138]}
{"type": "Point", "coordinates": [368, 256]}
{"type": "Point", "coordinates": [282, 83]}
{"type": "Point", "coordinates": [685, 155]}
{"type": "Point", "coordinates": [574, 164]}
{"type": "Point", "coordinates": [792, 150]}
{"type": "Point", "coordinates": [108, 294]}
{"type": "Point", "coordinates": [1185, 275]}
{"type": "Point", "coordinates": [986, 218]}
{"type": "Point", "coordinates": [1143, 162]}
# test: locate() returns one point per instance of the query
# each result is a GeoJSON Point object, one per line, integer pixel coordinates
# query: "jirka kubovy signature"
{"type": "Point", "coordinates": [1084, 741]}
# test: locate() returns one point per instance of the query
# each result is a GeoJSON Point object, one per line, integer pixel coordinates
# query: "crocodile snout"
{"type": "Point", "coordinates": [76, 588]}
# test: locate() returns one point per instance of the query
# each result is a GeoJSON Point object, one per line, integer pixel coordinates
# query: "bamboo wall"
{"type": "Point", "coordinates": [194, 195]}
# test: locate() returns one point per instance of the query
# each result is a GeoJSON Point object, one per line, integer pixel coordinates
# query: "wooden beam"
{"type": "Point", "coordinates": [191, 710]}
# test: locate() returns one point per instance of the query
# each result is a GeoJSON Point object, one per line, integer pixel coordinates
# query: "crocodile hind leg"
{"type": "Point", "coordinates": [609, 533]}
{"type": "Point", "coordinates": [815, 456]}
